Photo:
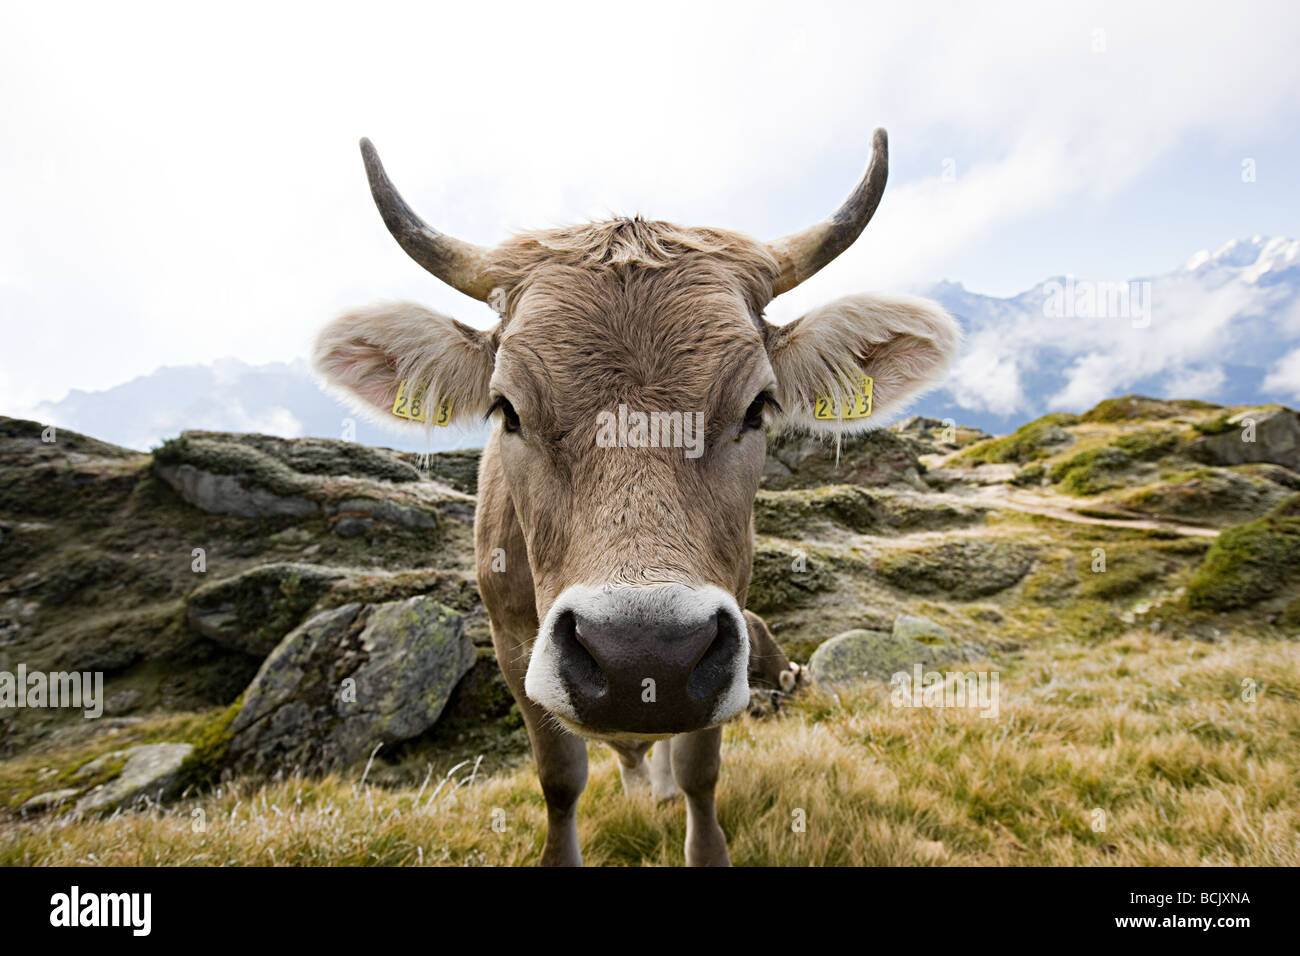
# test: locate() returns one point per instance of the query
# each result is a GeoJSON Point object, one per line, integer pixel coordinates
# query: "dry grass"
{"type": "Point", "coordinates": [1152, 732]}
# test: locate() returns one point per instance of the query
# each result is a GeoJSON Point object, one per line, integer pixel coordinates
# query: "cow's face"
{"type": "Point", "coordinates": [630, 379]}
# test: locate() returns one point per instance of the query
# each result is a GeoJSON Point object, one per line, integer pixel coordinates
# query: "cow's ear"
{"type": "Point", "coordinates": [847, 366]}
{"type": "Point", "coordinates": [441, 367]}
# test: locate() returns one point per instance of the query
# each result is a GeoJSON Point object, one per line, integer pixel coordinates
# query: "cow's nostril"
{"type": "Point", "coordinates": [579, 668]}
{"type": "Point", "coordinates": [713, 669]}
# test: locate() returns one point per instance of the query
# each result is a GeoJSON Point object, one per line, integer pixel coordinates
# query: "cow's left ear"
{"type": "Point", "coordinates": [846, 366]}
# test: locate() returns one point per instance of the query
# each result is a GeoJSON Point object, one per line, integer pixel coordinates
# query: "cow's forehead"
{"type": "Point", "coordinates": [645, 324]}
{"type": "Point", "coordinates": [671, 339]}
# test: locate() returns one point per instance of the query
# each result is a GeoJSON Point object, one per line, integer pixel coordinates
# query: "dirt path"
{"type": "Point", "coordinates": [1000, 496]}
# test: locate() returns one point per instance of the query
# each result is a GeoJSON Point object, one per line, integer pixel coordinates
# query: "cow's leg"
{"type": "Point", "coordinates": [562, 769]}
{"type": "Point", "coordinates": [506, 584]}
{"type": "Point", "coordinates": [633, 767]}
{"type": "Point", "coordinates": [696, 759]}
{"type": "Point", "coordinates": [662, 784]}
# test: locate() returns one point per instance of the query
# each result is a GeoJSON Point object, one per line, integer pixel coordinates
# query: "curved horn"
{"type": "Point", "coordinates": [462, 265]}
{"type": "Point", "coordinates": [803, 253]}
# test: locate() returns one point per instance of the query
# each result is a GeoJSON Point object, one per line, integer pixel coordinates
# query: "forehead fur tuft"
{"type": "Point", "coordinates": [622, 244]}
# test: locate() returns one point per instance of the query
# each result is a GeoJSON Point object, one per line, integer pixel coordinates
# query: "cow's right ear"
{"type": "Point", "coordinates": [442, 365]}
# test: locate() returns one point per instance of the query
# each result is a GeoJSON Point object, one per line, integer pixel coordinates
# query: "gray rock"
{"type": "Point", "coordinates": [122, 701]}
{"type": "Point", "coordinates": [352, 526]}
{"type": "Point", "coordinates": [407, 515]}
{"type": "Point", "coordinates": [348, 679]}
{"type": "Point", "coordinates": [870, 459]}
{"type": "Point", "coordinates": [857, 655]}
{"type": "Point", "coordinates": [961, 569]}
{"type": "Point", "coordinates": [921, 629]}
{"type": "Point", "coordinates": [151, 770]}
{"type": "Point", "coordinates": [878, 655]}
{"type": "Point", "coordinates": [47, 801]}
{"type": "Point", "coordinates": [253, 611]}
{"type": "Point", "coordinates": [1277, 440]}
{"type": "Point", "coordinates": [231, 494]}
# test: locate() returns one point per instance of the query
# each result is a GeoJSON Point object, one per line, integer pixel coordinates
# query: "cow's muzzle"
{"type": "Point", "coordinates": [653, 659]}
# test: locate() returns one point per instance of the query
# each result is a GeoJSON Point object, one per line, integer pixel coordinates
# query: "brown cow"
{"type": "Point", "coordinates": [631, 376]}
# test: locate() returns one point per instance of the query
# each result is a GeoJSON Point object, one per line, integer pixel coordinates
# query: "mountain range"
{"type": "Point", "coordinates": [1225, 327]}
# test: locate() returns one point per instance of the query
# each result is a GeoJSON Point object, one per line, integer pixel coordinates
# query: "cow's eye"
{"type": "Point", "coordinates": [509, 417]}
{"type": "Point", "coordinates": [754, 414]}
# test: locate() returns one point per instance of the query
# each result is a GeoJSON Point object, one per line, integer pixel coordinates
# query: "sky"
{"type": "Point", "coordinates": [181, 183]}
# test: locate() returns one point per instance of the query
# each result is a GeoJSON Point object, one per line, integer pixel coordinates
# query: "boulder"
{"type": "Point", "coordinates": [151, 770]}
{"type": "Point", "coordinates": [959, 570]}
{"type": "Point", "coordinates": [231, 494]}
{"type": "Point", "coordinates": [860, 654]}
{"type": "Point", "coordinates": [863, 654]}
{"type": "Point", "coordinates": [354, 516]}
{"type": "Point", "coordinates": [47, 801]}
{"type": "Point", "coordinates": [909, 627]}
{"type": "Point", "coordinates": [348, 679]}
{"type": "Point", "coordinates": [1277, 440]}
{"type": "Point", "coordinates": [253, 611]}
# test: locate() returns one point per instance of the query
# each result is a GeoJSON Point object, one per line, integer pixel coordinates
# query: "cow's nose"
{"type": "Point", "coordinates": [623, 669]}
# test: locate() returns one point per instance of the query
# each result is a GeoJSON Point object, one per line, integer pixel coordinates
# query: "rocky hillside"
{"type": "Point", "coordinates": [234, 590]}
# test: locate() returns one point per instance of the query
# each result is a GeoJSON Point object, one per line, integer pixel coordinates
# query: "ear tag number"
{"type": "Point", "coordinates": [857, 404]}
{"type": "Point", "coordinates": [411, 407]}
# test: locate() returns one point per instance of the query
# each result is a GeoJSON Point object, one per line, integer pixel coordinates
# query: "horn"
{"type": "Point", "coordinates": [801, 254]}
{"type": "Point", "coordinates": [462, 265]}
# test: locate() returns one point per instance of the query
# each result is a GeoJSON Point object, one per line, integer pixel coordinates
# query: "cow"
{"type": "Point", "coordinates": [614, 568]}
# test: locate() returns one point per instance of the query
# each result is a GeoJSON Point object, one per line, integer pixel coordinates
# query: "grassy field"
{"type": "Point", "coordinates": [1140, 750]}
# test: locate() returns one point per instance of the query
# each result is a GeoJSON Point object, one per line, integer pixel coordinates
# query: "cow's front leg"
{"type": "Point", "coordinates": [662, 784]}
{"type": "Point", "coordinates": [633, 767]}
{"type": "Point", "coordinates": [696, 759]}
{"type": "Point", "coordinates": [562, 769]}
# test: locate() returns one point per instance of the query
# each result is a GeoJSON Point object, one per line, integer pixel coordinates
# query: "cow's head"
{"type": "Point", "coordinates": [615, 339]}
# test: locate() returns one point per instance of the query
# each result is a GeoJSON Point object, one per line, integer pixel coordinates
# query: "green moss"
{"type": "Point", "coordinates": [266, 602]}
{"type": "Point", "coordinates": [1291, 614]}
{"type": "Point", "coordinates": [1091, 472]}
{"type": "Point", "coordinates": [1029, 476]}
{"type": "Point", "coordinates": [211, 741]}
{"type": "Point", "coordinates": [778, 583]}
{"type": "Point", "coordinates": [1215, 426]}
{"type": "Point", "coordinates": [1026, 443]}
{"type": "Point", "coordinates": [960, 570]}
{"type": "Point", "coordinates": [231, 458]}
{"type": "Point", "coordinates": [1149, 444]}
{"type": "Point", "coordinates": [1053, 581]}
{"type": "Point", "coordinates": [790, 514]}
{"type": "Point", "coordinates": [1213, 495]}
{"type": "Point", "coordinates": [1130, 407]}
{"type": "Point", "coordinates": [43, 768]}
{"type": "Point", "coordinates": [1249, 563]}
{"type": "Point", "coordinates": [1127, 573]}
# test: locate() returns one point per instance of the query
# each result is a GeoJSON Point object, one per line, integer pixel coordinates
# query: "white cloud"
{"type": "Point", "coordinates": [986, 377]}
{"type": "Point", "coordinates": [1284, 377]}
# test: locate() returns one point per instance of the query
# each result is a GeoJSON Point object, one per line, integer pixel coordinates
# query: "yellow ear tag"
{"type": "Point", "coordinates": [411, 407]}
{"type": "Point", "coordinates": [856, 404]}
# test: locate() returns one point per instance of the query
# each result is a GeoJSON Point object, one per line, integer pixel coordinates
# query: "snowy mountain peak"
{"type": "Point", "coordinates": [1255, 257]}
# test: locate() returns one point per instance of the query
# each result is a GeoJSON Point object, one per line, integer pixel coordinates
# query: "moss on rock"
{"type": "Point", "coordinates": [1031, 441]}
{"type": "Point", "coordinates": [1130, 407]}
{"type": "Point", "coordinates": [961, 570]}
{"type": "Point", "coordinates": [1092, 471]}
{"type": "Point", "coordinates": [1250, 563]}
{"type": "Point", "coordinates": [783, 579]}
